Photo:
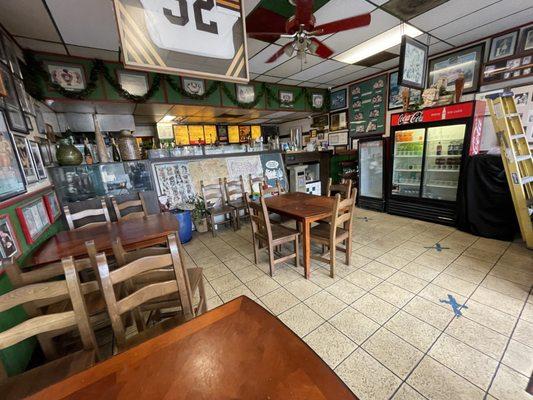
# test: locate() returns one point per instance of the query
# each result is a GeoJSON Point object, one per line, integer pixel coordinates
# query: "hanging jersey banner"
{"type": "Point", "coordinates": [203, 38]}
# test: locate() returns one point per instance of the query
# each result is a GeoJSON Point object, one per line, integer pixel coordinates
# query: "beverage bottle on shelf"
{"type": "Point", "coordinates": [439, 149]}
{"type": "Point", "coordinates": [87, 152]}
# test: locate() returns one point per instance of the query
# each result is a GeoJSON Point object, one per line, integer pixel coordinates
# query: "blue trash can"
{"type": "Point", "coordinates": [184, 225]}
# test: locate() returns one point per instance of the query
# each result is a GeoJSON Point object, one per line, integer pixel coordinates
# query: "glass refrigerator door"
{"type": "Point", "coordinates": [407, 163]}
{"type": "Point", "coordinates": [444, 148]}
{"type": "Point", "coordinates": [371, 167]}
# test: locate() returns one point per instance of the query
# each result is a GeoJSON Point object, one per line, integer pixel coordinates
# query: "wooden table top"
{"type": "Point", "coordinates": [134, 232]}
{"type": "Point", "coordinates": [301, 206]}
{"type": "Point", "coordinates": [236, 351]}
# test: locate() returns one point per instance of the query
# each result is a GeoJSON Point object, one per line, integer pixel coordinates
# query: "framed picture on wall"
{"type": "Point", "coordinates": [339, 121]}
{"type": "Point", "coordinates": [395, 93]}
{"type": "Point", "coordinates": [503, 46]}
{"type": "Point", "coordinates": [46, 153]}
{"type": "Point", "coordinates": [338, 139]}
{"type": "Point", "coordinates": [68, 76]}
{"type": "Point", "coordinates": [52, 206]}
{"type": "Point", "coordinates": [134, 82]}
{"type": "Point", "coordinates": [338, 99]}
{"type": "Point", "coordinates": [9, 244]}
{"type": "Point", "coordinates": [11, 173]}
{"type": "Point", "coordinates": [526, 40]}
{"type": "Point", "coordinates": [25, 158]}
{"type": "Point", "coordinates": [286, 99]}
{"type": "Point", "coordinates": [413, 62]}
{"type": "Point", "coordinates": [33, 219]}
{"type": "Point", "coordinates": [15, 117]}
{"type": "Point", "coordinates": [194, 86]}
{"type": "Point", "coordinates": [245, 93]}
{"type": "Point", "coordinates": [37, 159]}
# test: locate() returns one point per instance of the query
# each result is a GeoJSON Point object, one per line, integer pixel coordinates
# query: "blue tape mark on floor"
{"type": "Point", "coordinates": [437, 247]}
{"type": "Point", "coordinates": [456, 307]}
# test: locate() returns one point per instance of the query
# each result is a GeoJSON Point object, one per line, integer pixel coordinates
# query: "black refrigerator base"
{"type": "Point", "coordinates": [371, 204]}
{"type": "Point", "coordinates": [425, 212]}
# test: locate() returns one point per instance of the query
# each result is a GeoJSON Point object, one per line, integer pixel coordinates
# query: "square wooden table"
{"type": "Point", "coordinates": [305, 209]}
{"type": "Point", "coordinates": [236, 351]}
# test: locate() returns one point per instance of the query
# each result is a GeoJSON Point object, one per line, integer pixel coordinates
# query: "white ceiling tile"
{"type": "Point", "coordinates": [381, 21]}
{"type": "Point", "coordinates": [355, 76]}
{"type": "Point", "coordinates": [254, 46]}
{"type": "Point", "coordinates": [438, 47]}
{"type": "Point", "coordinates": [39, 45]}
{"type": "Point", "coordinates": [347, 70]}
{"type": "Point", "coordinates": [448, 12]}
{"type": "Point", "coordinates": [293, 66]}
{"type": "Point", "coordinates": [339, 9]}
{"type": "Point", "coordinates": [319, 69]}
{"type": "Point", "coordinates": [27, 18]}
{"type": "Point", "coordinates": [249, 5]}
{"type": "Point", "coordinates": [86, 23]}
{"type": "Point", "coordinates": [289, 82]}
{"type": "Point", "coordinates": [322, 86]}
{"type": "Point", "coordinates": [258, 62]}
{"type": "Point", "coordinates": [88, 52]}
{"type": "Point", "coordinates": [394, 62]}
{"type": "Point", "coordinates": [266, 78]}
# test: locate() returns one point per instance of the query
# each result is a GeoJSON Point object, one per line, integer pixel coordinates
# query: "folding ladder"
{"type": "Point", "coordinates": [516, 157]}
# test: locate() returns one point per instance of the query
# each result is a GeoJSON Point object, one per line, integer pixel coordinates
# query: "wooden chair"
{"type": "Point", "coordinates": [120, 208]}
{"type": "Point", "coordinates": [338, 230]}
{"type": "Point", "coordinates": [253, 180]}
{"type": "Point", "coordinates": [275, 190]}
{"type": "Point", "coordinates": [344, 188]}
{"type": "Point", "coordinates": [91, 212]}
{"type": "Point", "coordinates": [161, 276]}
{"type": "Point", "coordinates": [234, 197]}
{"type": "Point", "coordinates": [38, 378]}
{"type": "Point", "coordinates": [272, 236]}
{"type": "Point", "coordinates": [215, 205]}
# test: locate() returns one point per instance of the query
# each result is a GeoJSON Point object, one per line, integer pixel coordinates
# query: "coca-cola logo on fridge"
{"type": "Point", "coordinates": [411, 118]}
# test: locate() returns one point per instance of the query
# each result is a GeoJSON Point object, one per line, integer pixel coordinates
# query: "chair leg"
{"type": "Point", "coordinates": [203, 297]}
{"type": "Point", "coordinates": [332, 250]}
{"type": "Point", "coordinates": [256, 248]}
{"type": "Point", "coordinates": [271, 258]}
{"type": "Point", "coordinates": [213, 225]}
{"type": "Point", "coordinates": [348, 247]}
{"type": "Point", "coordinates": [236, 220]}
{"type": "Point", "coordinates": [297, 251]}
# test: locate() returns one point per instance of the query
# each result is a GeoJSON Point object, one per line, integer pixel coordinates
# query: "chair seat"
{"type": "Point", "coordinates": [281, 232]}
{"type": "Point", "coordinates": [220, 210]}
{"type": "Point", "coordinates": [321, 232]}
{"type": "Point", "coordinates": [154, 331]}
{"type": "Point", "coordinates": [238, 203]}
{"type": "Point", "coordinates": [29, 382]}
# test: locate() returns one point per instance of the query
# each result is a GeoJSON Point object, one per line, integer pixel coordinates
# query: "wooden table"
{"type": "Point", "coordinates": [304, 208]}
{"type": "Point", "coordinates": [236, 351]}
{"type": "Point", "coordinates": [138, 232]}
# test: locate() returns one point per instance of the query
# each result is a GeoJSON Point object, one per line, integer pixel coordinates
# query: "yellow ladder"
{"type": "Point", "coordinates": [516, 157]}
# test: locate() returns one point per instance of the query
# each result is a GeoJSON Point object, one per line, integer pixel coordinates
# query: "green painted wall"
{"type": "Point", "coordinates": [16, 358]}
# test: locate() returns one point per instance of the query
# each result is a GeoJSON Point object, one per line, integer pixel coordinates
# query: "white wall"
{"type": "Point", "coordinates": [304, 124]}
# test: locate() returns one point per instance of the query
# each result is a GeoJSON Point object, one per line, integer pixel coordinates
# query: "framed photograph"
{"type": "Point", "coordinates": [52, 206]}
{"type": "Point", "coordinates": [355, 143]}
{"type": "Point", "coordinates": [25, 159]}
{"type": "Point", "coordinates": [68, 76]}
{"type": "Point", "coordinates": [33, 219]}
{"type": "Point", "coordinates": [450, 66]}
{"type": "Point", "coordinates": [338, 100]}
{"type": "Point", "coordinates": [11, 173]}
{"type": "Point", "coordinates": [503, 46]}
{"type": "Point", "coordinates": [320, 121]}
{"type": "Point", "coordinates": [21, 94]}
{"type": "Point", "coordinates": [134, 82]}
{"type": "Point", "coordinates": [9, 245]}
{"type": "Point", "coordinates": [339, 121]}
{"type": "Point", "coordinates": [413, 63]}
{"type": "Point", "coordinates": [28, 122]}
{"type": "Point", "coordinates": [526, 39]}
{"type": "Point", "coordinates": [204, 41]}
{"type": "Point", "coordinates": [3, 55]}
{"type": "Point", "coordinates": [317, 100]}
{"type": "Point", "coordinates": [15, 117]}
{"type": "Point", "coordinates": [193, 85]}
{"type": "Point", "coordinates": [286, 99]}
{"type": "Point", "coordinates": [46, 152]}
{"type": "Point", "coordinates": [245, 93]}
{"type": "Point", "coordinates": [37, 159]}
{"type": "Point", "coordinates": [11, 55]}
{"type": "Point", "coordinates": [395, 93]}
{"type": "Point", "coordinates": [338, 139]}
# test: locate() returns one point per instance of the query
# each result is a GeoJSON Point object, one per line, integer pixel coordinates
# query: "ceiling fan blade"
{"type": "Point", "coordinates": [319, 48]}
{"type": "Point", "coordinates": [304, 11]}
{"type": "Point", "coordinates": [279, 53]}
{"type": "Point", "coordinates": [268, 35]}
{"type": "Point", "coordinates": [342, 25]}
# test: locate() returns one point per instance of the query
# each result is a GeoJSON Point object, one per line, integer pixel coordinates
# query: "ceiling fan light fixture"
{"type": "Point", "coordinates": [377, 44]}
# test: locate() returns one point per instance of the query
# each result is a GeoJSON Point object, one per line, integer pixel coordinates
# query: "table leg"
{"type": "Point", "coordinates": [306, 243]}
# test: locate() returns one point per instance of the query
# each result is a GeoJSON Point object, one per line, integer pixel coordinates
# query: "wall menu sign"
{"type": "Point", "coordinates": [196, 134]}
{"type": "Point", "coordinates": [233, 133]}
{"type": "Point", "coordinates": [181, 135]}
{"type": "Point", "coordinates": [210, 132]}
{"type": "Point", "coordinates": [203, 38]}
{"type": "Point", "coordinates": [367, 106]}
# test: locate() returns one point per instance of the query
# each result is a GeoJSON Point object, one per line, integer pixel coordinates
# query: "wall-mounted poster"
{"type": "Point", "coordinates": [338, 120]}
{"type": "Point", "coordinates": [210, 133]}
{"type": "Point", "coordinates": [256, 131]}
{"type": "Point", "coordinates": [395, 93]}
{"type": "Point", "coordinates": [196, 134]}
{"type": "Point", "coordinates": [68, 76]}
{"type": "Point", "coordinates": [413, 63]}
{"type": "Point", "coordinates": [222, 132]}
{"type": "Point", "coordinates": [33, 219]}
{"type": "Point", "coordinates": [181, 135]}
{"type": "Point", "coordinates": [450, 66]}
{"type": "Point", "coordinates": [244, 166]}
{"type": "Point", "coordinates": [24, 154]}
{"type": "Point", "coordinates": [338, 100]}
{"type": "Point", "coordinates": [245, 132]}
{"type": "Point", "coordinates": [52, 206]}
{"type": "Point", "coordinates": [245, 93]}
{"type": "Point", "coordinates": [367, 106]}
{"type": "Point", "coordinates": [204, 39]}
{"type": "Point", "coordinates": [193, 86]}
{"type": "Point", "coordinates": [11, 174]}
{"type": "Point", "coordinates": [9, 245]}
{"type": "Point", "coordinates": [174, 181]}
{"type": "Point", "coordinates": [233, 133]}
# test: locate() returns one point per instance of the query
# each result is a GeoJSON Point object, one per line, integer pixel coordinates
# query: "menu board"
{"type": "Point", "coordinates": [367, 106]}
{"type": "Point", "coordinates": [222, 131]}
{"type": "Point", "coordinates": [164, 131]}
{"type": "Point", "coordinates": [196, 134]}
{"type": "Point", "coordinates": [233, 133]}
{"type": "Point", "coordinates": [244, 133]}
{"type": "Point", "coordinates": [210, 132]}
{"type": "Point", "coordinates": [181, 135]}
{"type": "Point", "coordinates": [256, 131]}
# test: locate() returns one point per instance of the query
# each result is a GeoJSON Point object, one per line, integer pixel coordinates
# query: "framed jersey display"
{"type": "Point", "coordinates": [200, 38]}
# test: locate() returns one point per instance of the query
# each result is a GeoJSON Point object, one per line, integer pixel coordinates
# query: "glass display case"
{"type": "Point", "coordinates": [371, 160]}
{"type": "Point", "coordinates": [407, 164]}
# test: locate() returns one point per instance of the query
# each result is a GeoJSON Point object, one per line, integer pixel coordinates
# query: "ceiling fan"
{"type": "Point", "coordinates": [301, 28]}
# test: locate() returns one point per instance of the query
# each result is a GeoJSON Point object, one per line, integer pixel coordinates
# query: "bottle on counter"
{"type": "Point", "coordinates": [439, 149]}
{"type": "Point", "coordinates": [87, 152]}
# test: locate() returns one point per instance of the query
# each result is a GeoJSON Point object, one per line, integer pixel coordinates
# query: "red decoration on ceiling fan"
{"type": "Point", "coordinates": [301, 28]}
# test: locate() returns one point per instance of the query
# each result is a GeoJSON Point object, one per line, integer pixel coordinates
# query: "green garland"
{"type": "Point", "coordinates": [35, 74]}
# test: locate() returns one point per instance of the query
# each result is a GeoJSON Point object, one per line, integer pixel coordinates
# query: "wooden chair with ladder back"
{"type": "Point", "coordinates": [253, 181]}
{"type": "Point", "coordinates": [215, 205]}
{"type": "Point", "coordinates": [271, 236]}
{"type": "Point", "coordinates": [275, 190]}
{"type": "Point", "coordinates": [76, 318]}
{"type": "Point", "coordinates": [235, 192]}
{"type": "Point", "coordinates": [344, 188]}
{"type": "Point", "coordinates": [156, 279]}
{"type": "Point", "coordinates": [130, 208]}
{"type": "Point", "coordinates": [337, 231]}
{"type": "Point", "coordinates": [90, 213]}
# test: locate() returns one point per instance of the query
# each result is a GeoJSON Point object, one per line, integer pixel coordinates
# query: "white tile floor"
{"type": "Point", "coordinates": [380, 323]}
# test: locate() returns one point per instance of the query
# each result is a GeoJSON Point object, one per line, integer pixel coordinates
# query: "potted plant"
{"type": "Point", "coordinates": [198, 215]}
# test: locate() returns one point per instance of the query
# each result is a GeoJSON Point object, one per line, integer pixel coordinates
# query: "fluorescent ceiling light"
{"type": "Point", "coordinates": [168, 118]}
{"type": "Point", "coordinates": [377, 44]}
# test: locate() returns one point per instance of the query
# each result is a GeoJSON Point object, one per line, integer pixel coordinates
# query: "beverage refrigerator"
{"type": "Point", "coordinates": [371, 182]}
{"type": "Point", "coordinates": [428, 152]}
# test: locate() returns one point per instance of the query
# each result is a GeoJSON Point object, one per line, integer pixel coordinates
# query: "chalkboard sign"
{"type": "Point", "coordinates": [273, 169]}
{"type": "Point", "coordinates": [367, 106]}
